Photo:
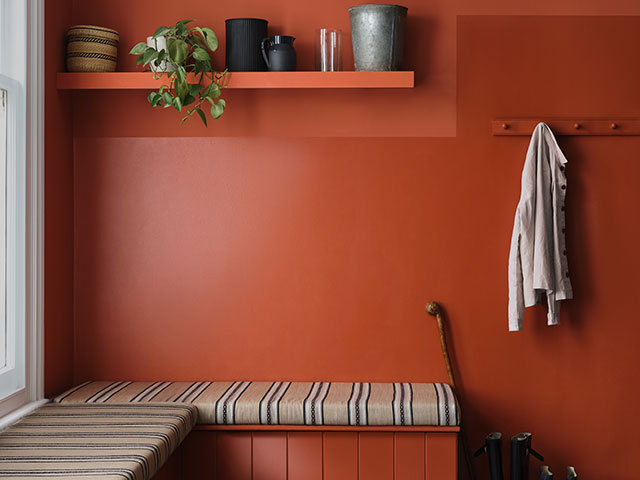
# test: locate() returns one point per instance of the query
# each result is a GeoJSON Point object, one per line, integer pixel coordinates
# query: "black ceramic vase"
{"type": "Point", "coordinates": [243, 49]}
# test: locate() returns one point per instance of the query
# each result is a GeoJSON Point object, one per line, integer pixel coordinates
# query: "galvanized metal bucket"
{"type": "Point", "coordinates": [377, 34]}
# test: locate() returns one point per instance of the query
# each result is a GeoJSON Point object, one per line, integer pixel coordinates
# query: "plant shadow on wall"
{"type": "Point", "coordinates": [183, 54]}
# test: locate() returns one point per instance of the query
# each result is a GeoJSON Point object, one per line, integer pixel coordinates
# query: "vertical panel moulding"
{"type": "Point", "coordinates": [340, 456]}
{"type": "Point", "coordinates": [358, 456]}
{"type": "Point", "coordinates": [234, 457]}
{"type": "Point", "coordinates": [375, 456]}
{"type": "Point", "coordinates": [171, 468]}
{"type": "Point", "coordinates": [441, 452]}
{"type": "Point", "coordinates": [304, 455]}
{"type": "Point", "coordinates": [269, 456]}
{"type": "Point", "coordinates": [198, 456]}
{"type": "Point", "coordinates": [409, 459]}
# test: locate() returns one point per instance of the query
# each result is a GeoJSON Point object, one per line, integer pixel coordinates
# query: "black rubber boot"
{"type": "Point", "coordinates": [493, 448]}
{"type": "Point", "coordinates": [520, 450]}
{"type": "Point", "coordinates": [571, 473]}
{"type": "Point", "coordinates": [545, 473]}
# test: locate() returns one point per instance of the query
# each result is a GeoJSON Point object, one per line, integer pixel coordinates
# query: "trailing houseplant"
{"type": "Point", "coordinates": [188, 51]}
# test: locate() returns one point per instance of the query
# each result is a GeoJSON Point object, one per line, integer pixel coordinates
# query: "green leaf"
{"type": "Point", "coordinates": [139, 60]}
{"type": "Point", "coordinates": [202, 67]}
{"type": "Point", "coordinates": [202, 116]}
{"type": "Point", "coordinates": [210, 38]}
{"type": "Point", "coordinates": [182, 30]}
{"type": "Point", "coordinates": [177, 104]}
{"type": "Point", "coordinates": [181, 87]}
{"type": "Point", "coordinates": [196, 40]}
{"type": "Point", "coordinates": [149, 55]}
{"type": "Point", "coordinates": [212, 90]}
{"type": "Point", "coordinates": [161, 31]}
{"type": "Point", "coordinates": [201, 54]}
{"type": "Point", "coordinates": [138, 48]}
{"type": "Point", "coordinates": [162, 55]}
{"type": "Point", "coordinates": [194, 89]}
{"type": "Point", "coordinates": [178, 50]}
{"type": "Point", "coordinates": [217, 109]}
{"type": "Point", "coordinates": [188, 100]}
{"type": "Point", "coordinates": [168, 99]}
{"type": "Point", "coordinates": [154, 98]}
{"type": "Point", "coordinates": [181, 73]}
{"type": "Point", "coordinates": [182, 22]}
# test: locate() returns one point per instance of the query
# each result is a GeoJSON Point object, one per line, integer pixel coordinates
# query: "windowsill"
{"type": "Point", "coordinates": [12, 417]}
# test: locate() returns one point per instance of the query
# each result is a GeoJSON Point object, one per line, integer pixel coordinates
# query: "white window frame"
{"type": "Point", "coordinates": [29, 305]}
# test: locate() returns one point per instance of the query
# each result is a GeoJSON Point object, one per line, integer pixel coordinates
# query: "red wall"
{"type": "Point", "coordinates": [252, 250]}
{"type": "Point", "coordinates": [58, 269]}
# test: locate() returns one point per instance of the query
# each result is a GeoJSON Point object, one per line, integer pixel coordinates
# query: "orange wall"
{"type": "Point", "coordinates": [242, 252]}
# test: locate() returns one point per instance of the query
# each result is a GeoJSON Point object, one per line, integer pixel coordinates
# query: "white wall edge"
{"type": "Point", "coordinates": [21, 412]}
{"type": "Point", "coordinates": [35, 197]}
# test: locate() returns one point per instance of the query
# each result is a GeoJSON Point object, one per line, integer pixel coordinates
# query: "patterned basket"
{"type": "Point", "coordinates": [92, 49]}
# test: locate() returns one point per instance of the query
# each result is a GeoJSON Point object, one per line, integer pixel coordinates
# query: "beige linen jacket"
{"type": "Point", "coordinates": [538, 257]}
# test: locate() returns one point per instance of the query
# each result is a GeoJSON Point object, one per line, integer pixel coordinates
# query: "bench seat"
{"type": "Point", "coordinates": [94, 440]}
{"type": "Point", "coordinates": [286, 403]}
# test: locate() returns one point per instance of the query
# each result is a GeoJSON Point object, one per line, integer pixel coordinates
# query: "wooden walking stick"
{"type": "Point", "coordinates": [434, 310]}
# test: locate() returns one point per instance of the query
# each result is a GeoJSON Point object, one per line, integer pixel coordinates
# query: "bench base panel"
{"type": "Point", "coordinates": [315, 455]}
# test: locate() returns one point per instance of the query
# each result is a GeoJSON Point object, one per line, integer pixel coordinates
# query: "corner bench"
{"type": "Point", "coordinates": [94, 441]}
{"type": "Point", "coordinates": [295, 430]}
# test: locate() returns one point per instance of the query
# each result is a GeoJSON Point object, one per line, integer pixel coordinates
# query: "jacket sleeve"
{"type": "Point", "coordinates": [516, 298]}
{"type": "Point", "coordinates": [521, 256]}
{"type": "Point", "coordinates": [543, 228]}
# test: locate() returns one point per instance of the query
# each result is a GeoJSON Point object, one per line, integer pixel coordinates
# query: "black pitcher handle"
{"type": "Point", "coordinates": [264, 52]}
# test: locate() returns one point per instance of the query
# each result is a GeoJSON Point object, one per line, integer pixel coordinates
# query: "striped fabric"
{"type": "Point", "coordinates": [94, 440]}
{"type": "Point", "coordinates": [287, 403]}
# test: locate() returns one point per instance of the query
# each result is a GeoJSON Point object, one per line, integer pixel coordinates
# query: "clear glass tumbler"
{"type": "Point", "coordinates": [328, 50]}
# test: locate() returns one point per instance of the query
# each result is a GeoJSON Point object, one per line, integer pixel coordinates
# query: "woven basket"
{"type": "Point", "coordinates": [92, 49]}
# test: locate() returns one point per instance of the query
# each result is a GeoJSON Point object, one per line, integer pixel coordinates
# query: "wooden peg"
{"type": "Point", "coordinates": [576, 126]}
{"type": "Point", "coordinates": [505, 126]}
{"type": "Point", "coordinates": [613, 126]}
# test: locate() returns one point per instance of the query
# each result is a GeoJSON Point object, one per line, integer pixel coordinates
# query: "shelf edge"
{"type": "Point", "coordinates": [243, 80]}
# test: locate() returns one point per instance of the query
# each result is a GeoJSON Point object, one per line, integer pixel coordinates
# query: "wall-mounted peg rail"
{"type": "Point", "coordinates": [525, 126]}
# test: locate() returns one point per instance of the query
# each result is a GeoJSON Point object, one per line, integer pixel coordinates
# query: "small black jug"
{"type": "Point", "coordinates": [243, 44]}
{"type": "Point", "coordinates": [281, 56]}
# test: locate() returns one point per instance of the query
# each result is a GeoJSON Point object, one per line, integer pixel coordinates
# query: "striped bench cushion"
{"type": "Point", "coordinates": [94, 441]}
{"type": "Point", "coordinates": [287, 403]}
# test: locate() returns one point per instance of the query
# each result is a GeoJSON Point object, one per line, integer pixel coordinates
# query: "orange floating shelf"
{"type": "Point", "coordinates": [255, 80]}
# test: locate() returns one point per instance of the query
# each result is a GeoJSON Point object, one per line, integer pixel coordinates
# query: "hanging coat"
{"type": "Point", "coordinates": [538, 256]}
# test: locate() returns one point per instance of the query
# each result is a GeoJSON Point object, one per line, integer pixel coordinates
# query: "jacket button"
{"type": "Point", "coordinates": [564, 252]}
{"type": "Point", "coordinates": [566, 274]}
{"type": "Point", "coordinates": [563, 187]}
{"type": "Point", "coordinates": [562, 169]}
{"type": "Point", "coordinates": [563, 230]}
{"type": "Point", "coordinates": [562, 208]}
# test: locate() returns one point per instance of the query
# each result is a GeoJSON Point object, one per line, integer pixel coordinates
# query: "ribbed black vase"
{"type": "Point", "coordinates": [244, 38]}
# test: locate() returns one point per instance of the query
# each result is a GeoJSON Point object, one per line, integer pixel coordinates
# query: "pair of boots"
{"type": "Point", "coordinates": [520, 450]}
{"type": "Point", "coordinates": [545, 473]}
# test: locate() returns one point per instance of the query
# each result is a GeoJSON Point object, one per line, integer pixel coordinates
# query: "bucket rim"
{"type": "Point", "coordinates": [402, 7]}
